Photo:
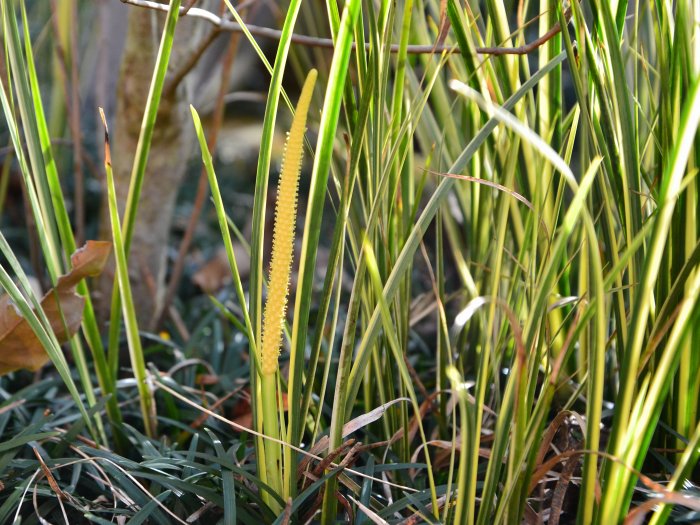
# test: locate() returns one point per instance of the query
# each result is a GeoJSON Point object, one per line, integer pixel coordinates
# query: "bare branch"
{"type": "Point", "coordinates": [225, 24]}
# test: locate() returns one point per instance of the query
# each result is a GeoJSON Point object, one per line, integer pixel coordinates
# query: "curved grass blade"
{"type": "Point", "coordinates": [138, 364]}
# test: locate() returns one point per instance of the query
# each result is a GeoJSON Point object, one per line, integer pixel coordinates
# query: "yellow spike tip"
{"type": "Point", "coordinates": [283, 233]}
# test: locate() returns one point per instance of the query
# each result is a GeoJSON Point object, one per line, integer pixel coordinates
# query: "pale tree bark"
{"type": "Point", "coordinates": [170, 150]}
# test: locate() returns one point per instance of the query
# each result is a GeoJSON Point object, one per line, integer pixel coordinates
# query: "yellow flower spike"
{"type": "Point", "coordinates": [283, 234]}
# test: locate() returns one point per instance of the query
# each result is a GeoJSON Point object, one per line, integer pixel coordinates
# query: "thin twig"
{"type": "Point", "coordinates": [187, 7]}
{"type": "Point", "coordinates": [194, 57]}
{"type": "Point", "coordinates": [191, 62]}
{"type": "Point", "coordinates": [224, 24]}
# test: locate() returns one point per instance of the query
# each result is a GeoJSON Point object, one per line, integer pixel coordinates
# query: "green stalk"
{"type": "Point", "coordinates": [225, 232]}
{"type": "Point", "coordinates": [314, 215]}
{"type": "Point", "coordinates": [465, 504]}
{"type": "Point", "coordinates": [260, 201]}
{"type": "Point", "coordinates": [146, 401]}
{"type": "Point", "coordinates": [271, 426]}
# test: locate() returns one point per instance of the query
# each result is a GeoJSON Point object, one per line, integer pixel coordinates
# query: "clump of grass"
{"type": "Point", "coordinates": [556, 276]}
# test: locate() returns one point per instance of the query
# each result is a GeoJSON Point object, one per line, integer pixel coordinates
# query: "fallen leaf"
{"type": "Point", "coordinates": [19, 345]}
{"type": "Point", "coordinates": [215, 274]}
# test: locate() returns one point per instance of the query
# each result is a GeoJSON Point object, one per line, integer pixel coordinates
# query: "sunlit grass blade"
{"type": "Point", "coordinates": [397, 353]}
{"type": "Point", "coordinates": [37, 140]}
{"type": "Point", "coordinates": [674, 171]}
{"type": "Point", "coordinates": [25, 103]}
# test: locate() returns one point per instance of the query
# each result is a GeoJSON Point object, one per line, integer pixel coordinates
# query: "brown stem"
{"type": "Point", "coordinates": [187, 7]}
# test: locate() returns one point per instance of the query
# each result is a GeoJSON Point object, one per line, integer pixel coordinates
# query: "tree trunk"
{"type": "Point", "coordinates": [167, 162]}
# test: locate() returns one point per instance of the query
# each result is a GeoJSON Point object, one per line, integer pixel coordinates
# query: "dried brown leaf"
{"type": "Point", "coordinates": [19, 345]}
